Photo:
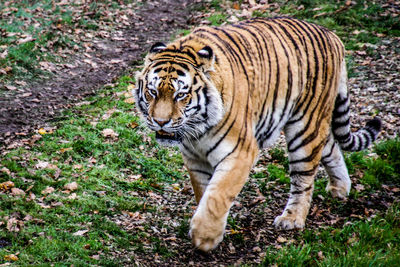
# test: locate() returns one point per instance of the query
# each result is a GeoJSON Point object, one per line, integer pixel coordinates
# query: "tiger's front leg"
{"type": "Point", "coordinates": [207, 226]}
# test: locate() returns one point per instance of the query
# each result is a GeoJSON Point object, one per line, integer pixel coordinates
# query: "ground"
{"type": "Point", "coordinates": [37, 103]}
{"type": "Point", "coordinates": [132, 200]}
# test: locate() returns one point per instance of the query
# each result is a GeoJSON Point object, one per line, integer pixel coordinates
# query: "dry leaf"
{"type": "Point", "coordinates": [25, 40]}
{"type": "Point", "coordinates": [71, 186]}
{"type": "Point", "coordinates": [31, 197]}
{"type": "Point", "coordinates": [14, 225]}
{"type": "Point", "coordinates": [4, 54]}
{"type": "Point", "coordinates": [6, 186]}
{"type": "Point", "coordinates": [72, 196]}
{"type": "Point", "coordinates": [63, 150]}
{"type": "Point", "coordinates": [236, 6]}
{"type": "Point", "coordinates": [6, 171]}
{"type": "Point", "coordinates": [80, 233]}
{"type": "Point", "coordinates": [108, 114]}
{"type": "Point", "coordinates": [17, 192]}
{"type": "Point", "coordinates": [109, 133]}
{"type": "Point", "coordinates": [11, 257]}
{"type": "Point", "coordinates": [48, 190]}
{"type": "Point", "coordinates": [133, 125]}
{"type": "Point", "coordinates": [281, 239]}
{"type": "Point", "coordinates": [359, 187]}
{"type": "Point", "coordinates": [42, 131]}
{"type": "Point", "coordinates": [77, 166]}
{"type": "Point", "coordinates": [130, 100]}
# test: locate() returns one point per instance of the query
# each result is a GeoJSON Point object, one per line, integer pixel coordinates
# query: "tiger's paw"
{"type": "Point", "coordinates": [205, 233]}
{"type": "Point", "coordinates": [340, 192]}
{"type": "Point", "coordinates": [289, 221]}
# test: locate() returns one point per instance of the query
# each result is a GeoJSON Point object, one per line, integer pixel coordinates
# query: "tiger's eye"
{"type": "Point", "coordinates": [180, 95]}
{"type": "Point", "coordinates": [153, 92]}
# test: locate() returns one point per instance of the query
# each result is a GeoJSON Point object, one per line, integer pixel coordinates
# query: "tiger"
{"type": "Point", "coordinates": [221, 94]}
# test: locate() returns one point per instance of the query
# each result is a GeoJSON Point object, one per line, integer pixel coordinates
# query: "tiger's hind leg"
{"type": "Point", "coordinates": [339, 181]}
{"type": "Point", "coordinates": [304, 151]}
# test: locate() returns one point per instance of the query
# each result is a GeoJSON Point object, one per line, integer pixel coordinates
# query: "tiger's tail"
{"type": "Point", "coordinates": [348, 140]}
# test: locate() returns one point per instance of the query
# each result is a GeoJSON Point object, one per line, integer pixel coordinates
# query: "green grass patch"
{"type": "Point", "coordinates": [40, 226]}
{"type": "Point", "coordinates": [384, 168]}
{"type": "Point", "coordinates": [370, 243]}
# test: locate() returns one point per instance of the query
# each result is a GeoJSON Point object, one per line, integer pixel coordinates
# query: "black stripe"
{"type": "Point", "coordinates": [310, 157]}
{"type": "Point", "coordinates": [201, 171]}
{"type": "Point", "coordinates": [297, 192]}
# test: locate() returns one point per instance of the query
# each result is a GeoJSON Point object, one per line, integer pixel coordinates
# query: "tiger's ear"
{"type": "Point", "coordinates": [207, 58]}
{"type": "Point", "coordinates": [157, 47]}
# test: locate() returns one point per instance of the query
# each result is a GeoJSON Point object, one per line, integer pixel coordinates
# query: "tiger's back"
{"type": "Point", "coordinates": [280, 67]}
{"type": "Point", "coordinates": [222, 93]}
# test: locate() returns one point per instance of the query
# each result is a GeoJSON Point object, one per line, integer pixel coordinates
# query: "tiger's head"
{"type": "Point", "coordinates": [175, 94]}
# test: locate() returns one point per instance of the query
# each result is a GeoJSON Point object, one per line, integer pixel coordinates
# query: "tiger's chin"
{"type": "Point", "coordinates": [168, 139]}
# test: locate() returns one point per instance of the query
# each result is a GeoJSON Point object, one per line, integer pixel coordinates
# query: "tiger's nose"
{"type": "Point", "coordinates": [161, 122]}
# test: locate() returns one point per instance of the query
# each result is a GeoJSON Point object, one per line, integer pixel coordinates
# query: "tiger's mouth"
{"type": "Point", "coordinates": [162, 135]}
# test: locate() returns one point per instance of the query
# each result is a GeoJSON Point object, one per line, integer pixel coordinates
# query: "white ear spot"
{"type": "Point", "coordinates": [206, 52]}
{"type": "Point", "coordinates": [157, 47]}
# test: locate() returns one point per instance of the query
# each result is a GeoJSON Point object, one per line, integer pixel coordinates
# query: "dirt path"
{"type": "Point", "coordinates": [86, 72]}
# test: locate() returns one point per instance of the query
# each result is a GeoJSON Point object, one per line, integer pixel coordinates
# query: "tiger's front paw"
{"type": "Point", "coordinates": [205, 232]}
{"type": "Point", "coordinates": [289, 221]}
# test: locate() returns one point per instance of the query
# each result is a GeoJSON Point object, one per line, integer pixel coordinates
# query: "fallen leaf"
{"type": "Point", "coordinates": [77, 166]}
{"type": "Point", "coordinates": [48, 190]}
{"type": "Point", "coordinates": [4, 54]}
{"type": "Point", "coordinates": [6, 171]}
{"type": "Point", "coordinates": [109, 133]}
{"type": "Point", "coordinates": [63, 150]}
{"type": "Point", "coordinates": [236, 6]}
{"type": "Point", "coordinates": [31, 197]}
{"type": "Point", "coordinates": [108, 114]}
{"type": "Point", "coordinates": [131, 87]}
{"type": "Point", "coordinates": [57, 204]}
{"type": "Point", "coordinates": [14, 225]}
{"type": "Point", "coordinates": [6, 186]}
{"type": "Point", "coordinates": [71, 186]}
{"type": "Point", "coordinates": [25, 40]}
{"type": "Point", "coordinates": [130, 100]}
{"type": "Point", "coordinates": [359, 187]}
{"type": "Point", "coordinates": [80, 233]}
{"type": "Point", "coordinates": [72, 196]}
{"type": "Point", "coordinates": [281, 239]}
{"type": "Point", "coordinates": [17, 192]}
{"type": "Point", "coordinates": [133, 125]}
{"type": "Point", "coordinates": [45, 165]}
{"type": "Point", "coordinates": [9, 87]}
{"type": "Point", "coordinates": [11, 257]}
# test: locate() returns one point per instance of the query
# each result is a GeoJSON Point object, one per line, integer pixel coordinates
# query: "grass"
{"type": "Point", "coordinates": [107, 171]}
{"type": "Point", "coordinates": [371, 243]}
{"type": "Point", "coordinates": [385, 168]}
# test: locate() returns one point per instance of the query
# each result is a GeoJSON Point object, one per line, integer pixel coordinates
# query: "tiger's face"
{"type": "Point", "coordinates": [176, 98]}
